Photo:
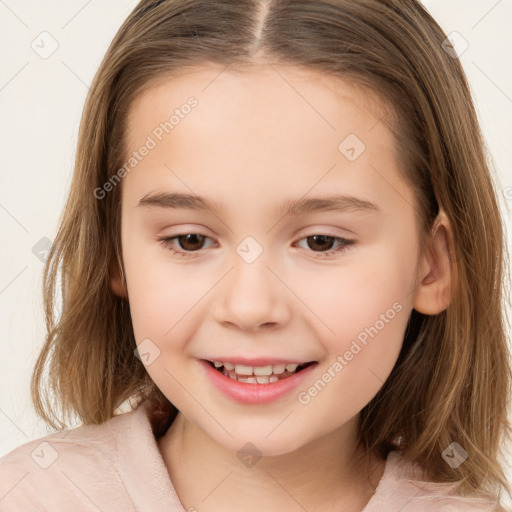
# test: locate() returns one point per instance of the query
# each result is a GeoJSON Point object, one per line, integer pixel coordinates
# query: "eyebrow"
{"type": "Point", "coordinates": [289, 207]}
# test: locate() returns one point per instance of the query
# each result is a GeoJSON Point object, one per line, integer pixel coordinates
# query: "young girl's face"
{"type": "Point", "coordinates": [256, 285]}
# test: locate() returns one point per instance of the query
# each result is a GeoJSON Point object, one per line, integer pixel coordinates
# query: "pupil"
{"type": "Point", "coordinates": [321, 239]}
{"type": "Point", "coordinates": [187, 238]}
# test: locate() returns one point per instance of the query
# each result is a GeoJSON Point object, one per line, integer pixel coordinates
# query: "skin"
{"type": "Point", "coordinates": [256, 138]}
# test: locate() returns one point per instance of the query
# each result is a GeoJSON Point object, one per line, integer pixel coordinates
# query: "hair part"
{"type": "Point", "coordinates": [452, 379]}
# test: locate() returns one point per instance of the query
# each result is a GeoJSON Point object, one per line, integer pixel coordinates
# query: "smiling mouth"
{"type": "Point", "coordinates": [258, 374]}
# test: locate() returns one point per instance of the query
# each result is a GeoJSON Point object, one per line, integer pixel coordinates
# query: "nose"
{"type": "Point", "coordinates": [252, 297]}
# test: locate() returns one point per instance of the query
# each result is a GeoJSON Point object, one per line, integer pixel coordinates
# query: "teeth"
{"type": "Point", "coordinates": [263, 370]}
{"type": "Point", "coordinates": [265, 379]}
{"type": "Point", "coordinates": [248, 380]}
{"type": "Point", "coordinates": [259, 379]}
{"type": "Point", "coordinates": [243, 370]}
{"type": "Point", "coordinates": [256, 374]}
{"type": "Point", "coordinates": [279, 368]}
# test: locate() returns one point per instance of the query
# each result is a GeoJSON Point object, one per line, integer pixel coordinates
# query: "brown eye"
{"type": "Point", "coordinates": [184, 245]}
{"type": "Point", "coordinates": [191, 242]}
{"type": "Point", "coordinates": [320, 242]}
{"type": "Point", "coordinates": [323, 244]}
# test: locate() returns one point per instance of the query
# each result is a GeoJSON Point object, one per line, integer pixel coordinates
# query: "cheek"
{"type": "Point", "coordinates": [364, 308]}
{"type": "Point", "coordinates": [360, 359]}
{"type": "Point", "coordinates": [160, 294]}
{"type": "Point", "coordinates": [365, 291]}
{"type": "Point", "coordinates": [162, 299]}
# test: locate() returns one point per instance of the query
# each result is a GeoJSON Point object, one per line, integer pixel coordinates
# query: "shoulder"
{"type": "Point", "coordinates": [72, 468]}
{"type": "Point", "coordinates": [404, 488]}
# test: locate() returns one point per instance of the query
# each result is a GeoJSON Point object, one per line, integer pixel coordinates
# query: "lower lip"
{"type": "Point", "coordinates": [255, 393]}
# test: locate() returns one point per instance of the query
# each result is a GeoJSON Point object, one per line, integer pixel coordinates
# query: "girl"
{"type": "Point", "coordinates": [334, 338]}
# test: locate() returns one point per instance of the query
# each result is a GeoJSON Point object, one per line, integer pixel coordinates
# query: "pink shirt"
{"type": "Point", "coordinates": [116, 466]}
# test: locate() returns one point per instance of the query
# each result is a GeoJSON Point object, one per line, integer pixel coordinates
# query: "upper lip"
{"type": "Point", "coordinates": [259, 361]}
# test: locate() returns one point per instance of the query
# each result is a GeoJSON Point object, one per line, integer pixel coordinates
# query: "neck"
{"type": "Point", "coordinates": [331, 473]}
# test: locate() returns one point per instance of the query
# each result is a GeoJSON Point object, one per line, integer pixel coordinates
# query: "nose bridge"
{"type": "Point", "coordinates": [251, 295]}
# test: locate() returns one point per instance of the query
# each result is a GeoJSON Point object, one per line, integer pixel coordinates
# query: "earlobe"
{"type": "Point", "coordinates": [117, 281]}
{"type": "Point", "coordinates": [434, 291]}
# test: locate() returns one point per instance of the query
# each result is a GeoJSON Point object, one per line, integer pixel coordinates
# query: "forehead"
{"type": "Point", "coordinates": [286, 93]}
{"type": "Point", "coordinates": [273, 128]}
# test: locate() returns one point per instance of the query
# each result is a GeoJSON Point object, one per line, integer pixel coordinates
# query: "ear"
{"type": "Point", "coordinates": [434, 291]}
{"type": "Point", "coordinates": [117, 281]}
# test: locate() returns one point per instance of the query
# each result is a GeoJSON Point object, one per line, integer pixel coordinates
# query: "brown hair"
{"type": "Point", "coordinates": [452, 379]}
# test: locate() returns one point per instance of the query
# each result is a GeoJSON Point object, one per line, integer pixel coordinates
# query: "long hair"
{"type": "Point", "coordinates": [452, 379]}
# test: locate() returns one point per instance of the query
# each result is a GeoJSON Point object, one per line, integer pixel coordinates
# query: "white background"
{"type": "Point", "coordinates": [41, 102]}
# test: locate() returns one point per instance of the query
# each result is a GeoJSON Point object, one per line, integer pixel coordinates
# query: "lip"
{"type": "Point", "coordinates": [255, 393]}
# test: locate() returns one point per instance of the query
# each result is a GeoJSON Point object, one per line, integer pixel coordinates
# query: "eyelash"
{"type": "Point", "coordinates": [166, 243]}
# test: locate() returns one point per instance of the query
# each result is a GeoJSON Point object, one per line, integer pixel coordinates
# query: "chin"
{"type": "Point", "coordinates": [259, 443]}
